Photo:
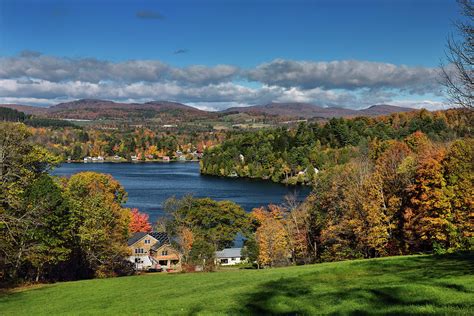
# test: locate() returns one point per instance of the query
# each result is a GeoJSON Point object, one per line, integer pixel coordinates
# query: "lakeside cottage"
{"type": "Point", "coordinates": [316, 171]}
{"type": "Point", "coordinates": [153, 251]}
{"type": "Point", "coordinates": [229, 256]}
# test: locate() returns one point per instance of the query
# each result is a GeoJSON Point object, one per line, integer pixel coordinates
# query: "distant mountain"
{"type": "Point", "coordinates": [103, 109]}
{"type": "Point", "coordinates": [166, 111]}
{"type": "Point", "coordinates": [384, 109]}
{"type": "Point", "coordinates": [306, 110]}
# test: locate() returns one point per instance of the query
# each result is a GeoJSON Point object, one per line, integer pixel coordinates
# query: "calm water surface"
{"type": "Point", "coordinates": [150, 184]}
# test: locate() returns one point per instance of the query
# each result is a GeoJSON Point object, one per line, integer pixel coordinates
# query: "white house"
{"type": "Point", "coordinates": [229, 256]}
{"type": "Point", "coordinates": [316, 171]}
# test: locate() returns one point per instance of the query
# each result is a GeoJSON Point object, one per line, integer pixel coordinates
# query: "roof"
{"type": "Point", "coordinates": [229, 253]}
{"type": "Point", "coordinates": [160, 236]}
{"type": "Point", "coordinates": [135, 237]}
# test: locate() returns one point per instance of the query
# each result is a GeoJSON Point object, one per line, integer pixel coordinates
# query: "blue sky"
{"type": "Point", "coordinates": [241, 34]}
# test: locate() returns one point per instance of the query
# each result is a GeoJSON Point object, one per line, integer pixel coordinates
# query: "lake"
{"type": "Point", "coordinates": [150, 184]}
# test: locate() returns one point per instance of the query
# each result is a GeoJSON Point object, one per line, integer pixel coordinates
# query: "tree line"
{"type": "Point", "coordinates": [77, 143]}
{"type": "Point", "coordinates": [56, 229]}
{"type": "Point", "coordinates": [400, 197]}
{"type": "Point", "coordinates": [294, 155]}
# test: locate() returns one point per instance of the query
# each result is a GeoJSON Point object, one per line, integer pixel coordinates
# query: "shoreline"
{"type": "Point", "coordinates": [127, 161]}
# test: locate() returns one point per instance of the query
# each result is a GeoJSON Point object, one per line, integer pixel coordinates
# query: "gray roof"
{"type": "Point", "coordinates": [229, 253]}
{"type": "Point", "coordinates": [135, 237]}
{"type": "Point", "coordinates": [161, 237]}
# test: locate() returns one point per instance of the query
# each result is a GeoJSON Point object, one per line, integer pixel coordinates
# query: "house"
{"type": "Point", "coordinates": [134, 157]}
{"type": "Point", "coordinates": [166, 158]}
{"type": "Point", "coordinates": [153, 251]}
{"type": "Point", "coordinates": [306, 170]}
{"type": "Point", "coordinates": [229, 256]}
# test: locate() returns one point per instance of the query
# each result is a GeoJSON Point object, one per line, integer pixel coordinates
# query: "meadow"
{"type": "Point", "coordinates": [425, 284]}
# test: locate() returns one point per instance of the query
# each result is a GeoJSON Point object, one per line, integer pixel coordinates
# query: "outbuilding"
{"type": "Point", "coordinates": [229, 256]}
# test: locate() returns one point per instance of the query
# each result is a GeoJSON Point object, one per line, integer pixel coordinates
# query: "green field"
{"type": "Point", "coordinates": [398, 285]}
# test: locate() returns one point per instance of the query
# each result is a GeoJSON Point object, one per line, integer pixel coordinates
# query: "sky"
{"type": "Point", "coordinates": [217, 54]}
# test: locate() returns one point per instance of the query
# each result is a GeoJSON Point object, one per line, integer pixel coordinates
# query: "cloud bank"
{"type": "Point", "coordinates": [349, 83]}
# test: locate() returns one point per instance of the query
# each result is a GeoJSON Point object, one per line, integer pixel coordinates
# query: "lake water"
{"type": "Point", "coordinates": [150, 184]}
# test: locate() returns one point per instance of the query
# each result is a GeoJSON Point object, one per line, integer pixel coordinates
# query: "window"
{"type": "Point", "coordinates": [164, 253]}
{"type": "Point", "coordinates": [138, 260]}
{"type": "Point", "coordinates": [139, 250]}
{"type": "Point", "coordinates": [224, 261]}
{"type": "Point", "coordinates": [147, 241]}
{"type": "Point", "coordinates": [233, 259]}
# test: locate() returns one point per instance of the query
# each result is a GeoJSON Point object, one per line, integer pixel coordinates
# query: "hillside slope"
{"type": "Point", "coordinates": [397, 286]}
{"type": "Point", "coordinates": [306, 110]}
{"type": "Point", "coordinates": [94, 109]}
{"type": "Point", "coordinates": [103, 109]}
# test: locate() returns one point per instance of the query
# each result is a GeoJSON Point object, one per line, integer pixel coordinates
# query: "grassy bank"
{"type": "Point", "coordinates": [398, 285]}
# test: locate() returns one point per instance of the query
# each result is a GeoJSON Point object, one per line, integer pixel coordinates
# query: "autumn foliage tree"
{"type": "Point", "coordinates": [271, 236]}
{"type": "Point", "coordinates": [402, 197]}
{"type": "Point", "coordinates": [139, 222]}
{"type": "Point", "coordinates": [99, 222]}
{"type": "Point", "coordinates": [52, 228]}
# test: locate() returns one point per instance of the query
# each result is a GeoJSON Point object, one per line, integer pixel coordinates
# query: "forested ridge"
{"type": "Point", "coordinates": [290, 155]}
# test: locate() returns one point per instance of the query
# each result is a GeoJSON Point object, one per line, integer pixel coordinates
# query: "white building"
{"type": "Point", "coordinates": [229, 256]}
{"type": "Point", "coordinates": [316, 171]}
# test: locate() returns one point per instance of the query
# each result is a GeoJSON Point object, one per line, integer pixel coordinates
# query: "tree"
{"type": "Point", "coordinates": [271, 236]}
{"type": "Point", "coordinates": [21, 165]}
{"type": "Point", "coordinates": [250, 250]}
{"type": "Point", "coordinates": [48, 238]}
{"type": "Point", "coordinates": [100, 223]}
{"type": "Point", "coordinates": [139, 222]}
{"type": "Point", "coordinates": [458, 74]}
{"type": "Point", "coordinates": [459, 174]}
{"type": "Point", "coordinates": [428, 214]}
{"type": "Point", "coordinates": [195, 222]}
{"type": "Point", "coordinates": [296, 222]}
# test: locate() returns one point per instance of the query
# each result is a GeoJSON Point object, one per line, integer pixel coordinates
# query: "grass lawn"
{"type": "Point", "coordinates": [398, 285]}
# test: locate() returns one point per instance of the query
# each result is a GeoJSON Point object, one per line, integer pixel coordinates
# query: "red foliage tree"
{"type": "Point", "coordinates": [139, 222]}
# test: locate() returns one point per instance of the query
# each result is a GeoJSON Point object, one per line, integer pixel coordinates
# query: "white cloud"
{"type": "Point", "coordinates": [33, 78]}
{"type": "Point", "coordinates": [345, 74]}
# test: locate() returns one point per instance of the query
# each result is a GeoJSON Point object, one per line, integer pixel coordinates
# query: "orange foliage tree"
{"type": "Point", "coordinates": [139, 222]}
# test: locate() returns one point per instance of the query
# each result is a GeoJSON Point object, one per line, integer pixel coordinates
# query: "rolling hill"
{"type": "Point", "coordinates": [102, 109]}
{"type": "Point", "coordinates": [94, 109]}
{"type": "Point", "coordinates": [410, 285]}
{"type": "Point", "coordinates": [306, 110]}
